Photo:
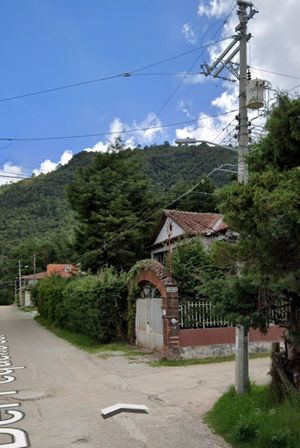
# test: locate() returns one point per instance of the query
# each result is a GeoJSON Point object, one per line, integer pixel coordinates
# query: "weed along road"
{"type": "Point", "coordinates": [61, 392]}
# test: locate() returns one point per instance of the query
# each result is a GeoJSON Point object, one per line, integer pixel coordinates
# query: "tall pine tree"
{"type": "Point", "coordinates": [114, 204]}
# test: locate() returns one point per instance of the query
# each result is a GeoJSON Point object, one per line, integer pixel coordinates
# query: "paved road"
{"type": "Point", "coordinates": [63, 389]}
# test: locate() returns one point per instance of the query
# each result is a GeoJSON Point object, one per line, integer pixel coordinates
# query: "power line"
{"type": "Point", "coordinates": [6, 146]}
{"type": "Point", "coordinates": [106, 78]}
{"type": "Point", "coordinates": [295, 87]}
{"type": "Point", "coordinates": [275, 73]}
{"type": "Point", "coordinates": [101, 134]}
{"type": "Point", "coordinates": [149, 214]}
{"type": "Point", "coordinates": [191, 68]}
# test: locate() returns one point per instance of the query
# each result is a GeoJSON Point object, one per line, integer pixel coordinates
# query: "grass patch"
{"type": "Point", "coordinates": [90, 345]}
{"type": "Point", "coordinates": [210, 360]}
{"type": "Point", "coordinates": [28, 309]}
{"type": "Point", "coordinates": [79, 340]}
{"type": "Point", "coordinates": [256, 419]}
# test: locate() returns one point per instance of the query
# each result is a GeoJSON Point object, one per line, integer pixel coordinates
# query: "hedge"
{"type": "Point", "coordinates": [94, 305]}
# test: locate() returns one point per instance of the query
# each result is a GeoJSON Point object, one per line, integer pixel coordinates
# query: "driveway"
{"type": "Point", "coordinates": [62, 390]}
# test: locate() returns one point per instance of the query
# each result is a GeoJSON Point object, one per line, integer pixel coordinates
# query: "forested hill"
{"type": "Point", "coordinates": [35, 215]}
{"type": "Point", "coordinates": [166, 165]}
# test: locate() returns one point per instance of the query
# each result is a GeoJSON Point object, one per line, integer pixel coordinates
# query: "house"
{"type": "Point", "coordinates": [27, 281]}
{"type": "Point", "coordinates": [174, 225]}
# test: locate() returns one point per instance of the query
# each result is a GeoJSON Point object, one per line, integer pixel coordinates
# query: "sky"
{"type": "Point", "coordinates": [54, 43]}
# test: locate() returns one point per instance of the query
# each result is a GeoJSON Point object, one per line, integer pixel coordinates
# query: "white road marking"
{"type": "Point", "coordinates": [18, 436]}
{"type": "Point", "coordinates": [123, 407]}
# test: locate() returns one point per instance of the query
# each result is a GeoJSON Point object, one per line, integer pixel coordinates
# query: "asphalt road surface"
{"type": "Point", "coordinates": [62, 390]}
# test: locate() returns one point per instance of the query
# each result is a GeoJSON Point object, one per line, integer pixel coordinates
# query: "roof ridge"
{"type": "Point", "coordinates": [194, 213]}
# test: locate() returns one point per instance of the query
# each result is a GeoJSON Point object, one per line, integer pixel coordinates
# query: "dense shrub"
{"type": "Point", "coordinates": [6, 296]}
{"type": "Point", "coordinates": [188, 259]}
{"type": "Point", "coordinates": [93, 305]}
{"type": "Point", "coordinates": [47, 295]}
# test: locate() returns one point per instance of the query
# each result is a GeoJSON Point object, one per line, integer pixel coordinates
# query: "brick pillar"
{"type": "Point", "coordinates": [170, 305]}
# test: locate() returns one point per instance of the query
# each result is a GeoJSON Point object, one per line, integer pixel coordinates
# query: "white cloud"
{"type": "Point", "coordinates": [148, 136]}
{"type": "Point", "coordinates": [275, 36]}
{"type": "Point", "coordinates": [133, 135]}
{"type": "Point", "coordinates": [184, 107]}
{"type": "Point", "coordinates": [274, 47]}
{"type": "Point", "coordinates": [228, 100]}
{"type": "Point", "coordinates": [11, 173]}
{"type": "Point", "coordinates": [214, 8]}
{"type": "Point", "coordinates": [66, 157]}
{"type": "Point", "coordinates": [98, 147]}
{"type": "Point", "coordinates": [117, 128]}
{"type": "Point", "coordinates": [47, 165]}
{"type": "Point", "coordinates": [205, 128]}
{"type": "Point", "coordinates": [189, 34]}
{"type": "Point", "coordinates": [191, 78]}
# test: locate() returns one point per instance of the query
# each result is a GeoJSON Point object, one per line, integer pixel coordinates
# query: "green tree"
{"type": "Point", "coordinates": [266, 214]}
{"type": "Point", "coordinates": [114, 202]}
{"type": "Point", "coordinates": [201, 198]}
{"type": "Point", "coordinates": [190, 262]}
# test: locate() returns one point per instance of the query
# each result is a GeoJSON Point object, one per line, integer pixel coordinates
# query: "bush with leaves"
{"type": "Point", "coordinates": [189, 266]}
{"type": "Point", "coordinates": [47, 295]}
{"type": "Point", "coordinates": [95, 305]}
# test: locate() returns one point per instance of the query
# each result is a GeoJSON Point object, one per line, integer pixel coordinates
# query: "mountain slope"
{"type": "Point", "coordinates": [35, 212]}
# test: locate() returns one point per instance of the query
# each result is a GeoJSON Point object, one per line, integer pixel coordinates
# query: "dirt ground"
{"type": "Point", "coordinates": [63, 389]}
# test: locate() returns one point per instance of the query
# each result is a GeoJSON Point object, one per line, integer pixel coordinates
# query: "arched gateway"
{"type": "Point", "coordinates": [157, 313]}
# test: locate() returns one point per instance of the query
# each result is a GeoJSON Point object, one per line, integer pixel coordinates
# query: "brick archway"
{"type": "Point", "coordinates": [155, 273]}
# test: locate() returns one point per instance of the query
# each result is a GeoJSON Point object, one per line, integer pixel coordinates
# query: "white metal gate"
{"type": "Point", "coordinates": [149, 324]}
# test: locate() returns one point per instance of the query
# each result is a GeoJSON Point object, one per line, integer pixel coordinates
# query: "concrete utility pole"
{"type": "Point", "coordinates": [241, 336]}
{"type": "Point", "coordinates": [34, 267]}
{"type": "Point", "coordinates": [20, 284]}
{"type": "Point", "coordinates": [243, 113]}
{"type": "Point", "coordinates": [245, 12]}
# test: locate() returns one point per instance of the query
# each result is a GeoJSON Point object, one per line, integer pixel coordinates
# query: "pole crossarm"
{"type": "Point", "coordinates": [216, 68]}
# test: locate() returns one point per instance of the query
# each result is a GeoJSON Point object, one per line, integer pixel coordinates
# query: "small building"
{"type": "Point", "coordinates": [28, 281]}
{"type": "Point", "coordinates": [174, 225]}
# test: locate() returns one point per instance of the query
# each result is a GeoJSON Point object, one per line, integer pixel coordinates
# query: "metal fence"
{"type": "Point", "coordinates": [200, 314]}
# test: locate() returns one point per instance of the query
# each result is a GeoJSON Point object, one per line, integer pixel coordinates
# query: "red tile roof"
{"type": "Point", "coordinates": [63, 270]}
{"type": "Point", "coordinates": [37, 276]}
{"type": "Point", "coordinates": [194, 223]}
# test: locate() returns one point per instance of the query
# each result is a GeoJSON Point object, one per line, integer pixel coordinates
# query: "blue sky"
{"type": "Point", "coordinates": [49, 43]}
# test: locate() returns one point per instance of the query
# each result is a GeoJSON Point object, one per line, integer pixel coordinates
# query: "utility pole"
{"type": "Point", "coordinates": [243, 112]}
{"type": "Point", "coordinates": [239, 45]}
{"type": "Point", "coordinates": [34, 268]}
{"type": "Point", "coordinates": [20, 284]}
{"type": "Point", "coordinates": [241, 336]}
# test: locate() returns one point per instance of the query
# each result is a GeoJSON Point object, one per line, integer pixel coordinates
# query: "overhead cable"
{"type": "Point", "coordinates": [125, 74]}
{"type": "Point", "coordinates": [101, 134]}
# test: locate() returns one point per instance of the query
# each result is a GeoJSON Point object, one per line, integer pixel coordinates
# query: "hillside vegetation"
{"type": "Point", "coordinates": [35, 215]}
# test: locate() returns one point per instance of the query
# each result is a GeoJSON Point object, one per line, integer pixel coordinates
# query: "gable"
{"type": "Point", "coordinates": [163, 234]}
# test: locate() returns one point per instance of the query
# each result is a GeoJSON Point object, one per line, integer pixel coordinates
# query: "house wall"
{"type": "Point", "coordinates": [201, 343]}
{"type": "Point", "coordinates": [164, 233]}
{"type": "Point", "coordinates": [159, 253]}
{"type": "Point", "coordinates": [27, 301]}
